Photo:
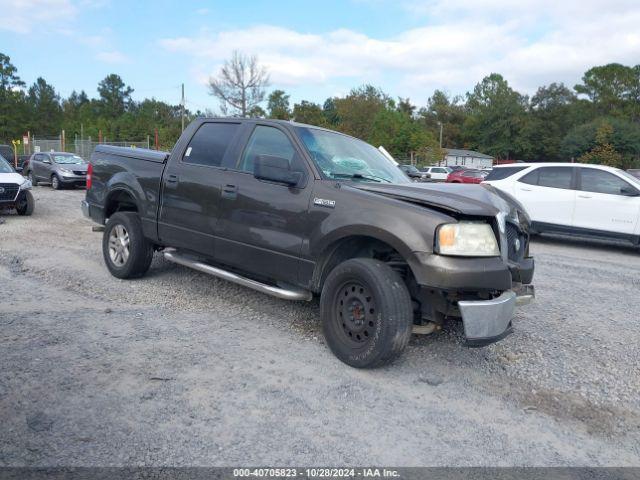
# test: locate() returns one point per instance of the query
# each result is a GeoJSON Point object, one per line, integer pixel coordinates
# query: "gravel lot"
{"type": "Point", "coordinates": [179, 368]}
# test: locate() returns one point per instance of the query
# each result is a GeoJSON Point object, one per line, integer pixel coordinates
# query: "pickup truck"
{"type": "Point", "coordinates": [297, 212]}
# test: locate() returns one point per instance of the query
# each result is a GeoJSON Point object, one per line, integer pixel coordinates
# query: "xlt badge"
{"type": "Point", "coordinates": [322, 202]}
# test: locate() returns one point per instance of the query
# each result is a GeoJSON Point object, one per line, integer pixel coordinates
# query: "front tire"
{"type": "Point", "coordinates": [127, 253]}
{"type": "Point", "coordinates": [55, 182]}
{"type": "Point", "coordinates": [25, 204]}
{"type": "Point", "coordinates": [366, 313]}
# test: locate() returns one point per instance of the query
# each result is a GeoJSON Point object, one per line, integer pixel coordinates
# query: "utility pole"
{"type": "Point", "coordinates": [440, 123]}
{"type": "Point", "coordinates": [182, 108]}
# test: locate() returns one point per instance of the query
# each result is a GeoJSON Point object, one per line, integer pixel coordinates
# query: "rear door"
{"type": "Point", "coordinates": [548, 194]}
{"type": "Point", "coordinates": [263, 225]}
{"type": "Point", "coordinates": [601, 203]}
{"type": "Point", "coordinates": [192, 185]}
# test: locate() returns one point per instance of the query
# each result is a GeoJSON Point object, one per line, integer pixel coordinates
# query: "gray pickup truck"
{"type": "Point", "coordinates": [297, 211]}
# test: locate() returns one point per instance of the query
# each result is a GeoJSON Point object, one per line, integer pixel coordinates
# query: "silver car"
{"type": "Point", "coordinates": [61, 169]}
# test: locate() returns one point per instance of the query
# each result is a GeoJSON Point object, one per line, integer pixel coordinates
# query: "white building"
{"type": "Point", "coordinates": [467, 158]}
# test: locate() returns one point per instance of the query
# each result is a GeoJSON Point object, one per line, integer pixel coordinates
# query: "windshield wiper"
{"type": "Point", "coordinates": [373, 178]}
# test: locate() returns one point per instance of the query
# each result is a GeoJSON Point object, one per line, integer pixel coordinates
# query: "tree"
{"type": "Point", "coordinates": [278, 105]}
{"type": "Point", "coordinates": [551, 116]}
{"type": "Point", "coordinates": [330, 112]}
{"type": "Point", "coordinates": [614, 89]}
{"type": "Point", "coordinates": [357, 109]}
{"type": "Point", "coordinates": [13, 113]}
{"type": "Point", "coordinates": [115, 96]}
{"type": "Point", "coordinates": [622, 135]}
{"type": "Point", "coordinates": [240, 85]}
{"type": "Point", "coordinates": [450, 112]}
{"type": "Point", "coordinates": [44, 108]}
{"type": "Point", "coordinates": [309, 113]}
{"type": "Point", "coordinates": [496, 117]}
{"type": "Point", "coordinates": [603, 153]}
{"type": "Point", "coordinates": [405, 106]}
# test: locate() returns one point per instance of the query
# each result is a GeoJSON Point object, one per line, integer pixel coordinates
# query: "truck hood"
{"type": "Point", "coordinates": [464, 199]}
{"type": "Point", "coordinates": [11, 178]}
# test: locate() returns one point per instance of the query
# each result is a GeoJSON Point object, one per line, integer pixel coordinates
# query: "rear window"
{"type": "Point", "coordinates": [503, 172]}
{"type": "Point", "coordinates": [210, 143]}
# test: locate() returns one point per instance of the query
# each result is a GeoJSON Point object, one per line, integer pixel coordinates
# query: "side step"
{"type": "Point", "coordinates": [291, 293]}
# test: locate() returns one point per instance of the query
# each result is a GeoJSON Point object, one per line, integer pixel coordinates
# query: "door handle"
{"type": "Point", "coordinates": [172, 179]}
{"type": "Point", "coordinates": [525, 189]}
{"type": "Point", "coordinates": [230, 192]}
{"type": "Point", "coordinates": [584, 196]}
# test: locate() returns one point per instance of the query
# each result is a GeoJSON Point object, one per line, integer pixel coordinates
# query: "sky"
{"type": "Point", "coordinates": [316, 49]}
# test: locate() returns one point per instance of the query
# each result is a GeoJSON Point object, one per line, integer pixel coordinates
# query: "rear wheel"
{"type": "Point", "coordinates": [25, 203]}
{"type": "Point", "coordinates": [55, 182]}
{"type": "Point", "coordinates": [127, 253]}
{"type": "Point", "coordinates": [366, 313]}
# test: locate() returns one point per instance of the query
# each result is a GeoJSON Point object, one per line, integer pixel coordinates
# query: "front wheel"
{"type": "Point", "coordinates": [127, 253]}
{"type": "Point", "coordinates": [366, 313]}
{"type": "Point", "coordinates": [55, 182]}
{"type": "Point", "coordinates": [25, 203]}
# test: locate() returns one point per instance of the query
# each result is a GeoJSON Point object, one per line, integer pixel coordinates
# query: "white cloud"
{"type": "Point", "coordinates": [20, 16]}
{"type": "Point", "coordinates": [112, 56]}
{"type": "Point", "coordinates": [531, 42]}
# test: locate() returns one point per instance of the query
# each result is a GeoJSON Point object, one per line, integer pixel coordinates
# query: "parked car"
{"type": "Point", "coordinates": [58, 168]}
{"type": "Point", "coordinates": [438, 174]}
{"type": "Point", "coordinates": [414, 174]}
{"type": "Point", "coordinates": [455, 168]}
{"type": "Point", "coordinates": [635, 172]}
{"type": "Point", "coordinates": [467, 176]}
{"type": "Point", "coordinates": [575, 198]}
{"type": "Point", "coordinates": [15, 190]}
{"type": "Point", "coordinates": [294, 211]}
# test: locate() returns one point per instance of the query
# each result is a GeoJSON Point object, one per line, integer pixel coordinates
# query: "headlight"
{"type": "Point", "coordinates": [467, 239]}
{"type": "Point", "coordinates": [26, 185]}
{"type": "Point", "coordinates": [65, 170]}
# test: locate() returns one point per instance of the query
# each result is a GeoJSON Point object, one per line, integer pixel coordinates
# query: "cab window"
{"type": "Point", "coordinates": [210, 143]}
{"type": "Point", "coordinates": [269, 141]}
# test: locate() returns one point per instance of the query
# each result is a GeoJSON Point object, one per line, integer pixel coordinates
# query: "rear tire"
{"type": "Point", "coordinates": [127, 253]}
{"type": "Point", "coordinates": [55, 182]}
{"type": "Point", "coordinates": [25, 204]}
{"type": "Point", "coordinates": [366, 313]}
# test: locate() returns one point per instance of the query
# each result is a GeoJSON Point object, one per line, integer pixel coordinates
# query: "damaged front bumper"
{"type": "Point", "coordinates": [487, 321]}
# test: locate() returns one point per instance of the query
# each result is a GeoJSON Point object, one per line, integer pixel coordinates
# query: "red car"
{"type": "Point", "coordinates": [466, 176]}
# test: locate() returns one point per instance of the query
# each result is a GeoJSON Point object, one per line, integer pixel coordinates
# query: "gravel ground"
{"type": "Point", "coordinates": [179, 368]}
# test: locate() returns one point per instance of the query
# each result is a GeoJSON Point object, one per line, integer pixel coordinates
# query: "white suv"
{"type": "Point", "coordinates": [438, 174]}
{"type": "Point", "coordinates": [574, 197]}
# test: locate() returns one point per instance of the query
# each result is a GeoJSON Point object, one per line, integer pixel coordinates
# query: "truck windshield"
{"type": "Point", "coordinates": [341, 157]}
{"type": "Point", "coordinates": [4, 166]}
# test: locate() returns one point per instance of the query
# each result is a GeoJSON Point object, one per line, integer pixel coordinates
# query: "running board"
{"type": "Point", "coordinates": [290, 293]}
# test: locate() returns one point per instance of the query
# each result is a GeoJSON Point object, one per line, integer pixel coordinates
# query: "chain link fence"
{"type": "Point", "coordinates": [83, 148]}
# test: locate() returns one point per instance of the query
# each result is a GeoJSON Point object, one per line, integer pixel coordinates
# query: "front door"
{"type": "Point", "coordinates": [263, 225]}
{"type": "Point", "coordinates": [548, 194]}
{"type": "Point", "coordinates": [602, 204]}
{"type": "Point", "coordinates": [191, 190]}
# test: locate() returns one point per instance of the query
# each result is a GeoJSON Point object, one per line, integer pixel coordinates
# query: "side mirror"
{"type": "Point", "coordinates": [629, 192]}
{"type": "Point", "coordinates": [275, 169]}
{"type": "Point", "coordinates": [46, 160]}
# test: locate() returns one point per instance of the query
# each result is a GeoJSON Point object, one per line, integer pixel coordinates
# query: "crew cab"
{"type": "Point", "coordinates": [574, 198]}
{"type": "Point", "coordinates": [15, 190]}
{"type": "Point", "coordinates": [297, 211]}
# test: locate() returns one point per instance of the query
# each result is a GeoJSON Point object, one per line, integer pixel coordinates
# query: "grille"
{"type": "Point", "coordinates": [515, 238]}
{"type": "Point", "coordinates": [8, 191]}
{"type": "Point", "coordinates": [79, 172]}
